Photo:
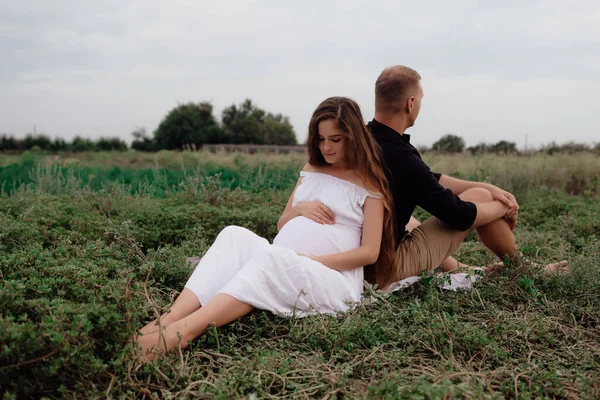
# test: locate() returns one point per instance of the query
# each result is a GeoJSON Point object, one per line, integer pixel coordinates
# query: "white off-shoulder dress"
{"type": "Point", "coordinates": [275, 277]}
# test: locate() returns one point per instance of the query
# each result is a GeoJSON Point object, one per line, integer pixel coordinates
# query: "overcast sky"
{"type": "Point", "coordinates": [491, 70]}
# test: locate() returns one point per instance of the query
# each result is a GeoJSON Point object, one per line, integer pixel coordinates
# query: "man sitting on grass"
{"type": "Point", "coordinates": [457, 206]}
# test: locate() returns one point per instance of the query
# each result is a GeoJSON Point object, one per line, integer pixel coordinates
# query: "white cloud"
{"type": "Point", "coordinates": [491, 70]}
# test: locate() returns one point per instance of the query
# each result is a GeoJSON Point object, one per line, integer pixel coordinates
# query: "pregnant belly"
{"type": "Point", "coordinates": [310, 238]}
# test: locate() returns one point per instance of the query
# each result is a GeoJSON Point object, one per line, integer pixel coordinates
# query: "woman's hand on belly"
{"type": "Point", "coordinates": [316, 211]}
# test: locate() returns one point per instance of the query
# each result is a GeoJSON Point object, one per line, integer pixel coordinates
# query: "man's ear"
{"type": "Point", "coordinates": [410, 103]}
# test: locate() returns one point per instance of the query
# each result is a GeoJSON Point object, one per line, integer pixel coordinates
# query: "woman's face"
{"type": "Point", "coordinates": [332, 142]}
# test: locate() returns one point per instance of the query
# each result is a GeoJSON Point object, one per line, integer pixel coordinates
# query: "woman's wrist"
{"type": "Point", "coordinates": [296, 211]}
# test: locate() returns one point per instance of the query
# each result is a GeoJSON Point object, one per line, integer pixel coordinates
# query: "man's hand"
{"type": "Point", "coordinates": [316, 211]}
{"type": "Point", "coordinates": [509, 200]}
{"type": "Point", "coordinates": [512, 221]}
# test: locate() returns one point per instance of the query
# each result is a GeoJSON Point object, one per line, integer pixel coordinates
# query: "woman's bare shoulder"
{"type": "Point", "coordinates": [310, 168]}
{"type": "Point", "coordinates": [371, 187]}
{"type": "Point", "coordinates": [348, 175]}
{"type": "Point", "coordinates": [357, 179]}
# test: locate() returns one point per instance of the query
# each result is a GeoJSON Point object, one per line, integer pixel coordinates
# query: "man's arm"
{"type": "Point", "coordinates": [488, 212]}
{"type": "Point", "coordinates": [419, 185]}
{"type": "Point", "coordinates": [458, 186]}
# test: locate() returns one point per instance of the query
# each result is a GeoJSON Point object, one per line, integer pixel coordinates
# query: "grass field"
{"type": "Point", "coordinates": [93, 245]}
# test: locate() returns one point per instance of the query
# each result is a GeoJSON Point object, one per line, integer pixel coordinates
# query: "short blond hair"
{"type": "Point", "coordinates": [394, 86]}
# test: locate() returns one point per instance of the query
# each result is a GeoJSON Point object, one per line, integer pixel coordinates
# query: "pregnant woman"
{"type": "Point", "coordinates": [315, 264]}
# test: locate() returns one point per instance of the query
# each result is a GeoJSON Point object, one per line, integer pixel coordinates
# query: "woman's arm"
{"type": "Point", "coordinates": [368, 252]}
{"type": "Point", "coordinates": [289, 212]}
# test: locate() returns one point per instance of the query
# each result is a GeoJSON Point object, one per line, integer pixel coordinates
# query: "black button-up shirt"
{"type": "Point", "coordinates": [413, 184]}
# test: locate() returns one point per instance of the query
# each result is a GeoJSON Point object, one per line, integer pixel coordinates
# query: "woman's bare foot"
{"type": "Point", "coordinates": [151, 346]}
{"type": "Point", "coordinates": [151, 328]}
{"type": "Point", "coordinates": [154, 345]}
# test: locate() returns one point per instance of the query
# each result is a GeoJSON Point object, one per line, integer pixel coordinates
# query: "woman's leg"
{"type": "Point", "coordinates": [185, 304]}
{"type": "Point", "coordinates": [220, 310]}
{"type": "Point", "coordinates": [232, 248]}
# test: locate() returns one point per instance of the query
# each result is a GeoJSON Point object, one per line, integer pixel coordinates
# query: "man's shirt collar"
{"type": "Point", "coordinates": [385, 131]}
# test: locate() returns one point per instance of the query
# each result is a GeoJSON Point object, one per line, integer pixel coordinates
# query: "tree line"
{"type": "Point", "coordinates": [44, 143]}
{"type": "Point", "coordinates": [193, 125]}
{"type": "Point", "coordinates": [451, 143]}
{"type": "Point", "coordinates": [189, 125]}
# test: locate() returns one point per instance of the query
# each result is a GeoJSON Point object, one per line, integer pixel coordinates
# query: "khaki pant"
{"type": "Point", "coordinates": [426, 246]}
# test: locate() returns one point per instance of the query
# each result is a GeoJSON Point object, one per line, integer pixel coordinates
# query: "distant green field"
{"type": "Point", "coordinates": [91, 246]}
{"type": "Point", "coordinates": [161, 173]}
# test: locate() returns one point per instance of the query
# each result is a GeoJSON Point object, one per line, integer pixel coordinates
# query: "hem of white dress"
{"type": "Point", "coordinates": [198, 296]}
{"type": "Point", "coordinates": [294, 313]}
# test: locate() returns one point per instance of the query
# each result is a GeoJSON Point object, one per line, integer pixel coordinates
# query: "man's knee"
{"type": "Point", "coordinates": [477, 195]}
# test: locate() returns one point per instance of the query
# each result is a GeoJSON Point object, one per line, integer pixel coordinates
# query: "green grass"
{"type": "Point", "coordinates": [55, 176]}
{"type": "Point", "coordinates": [83, 267]}
{"type": "Point", "coordinates": [157, 174]}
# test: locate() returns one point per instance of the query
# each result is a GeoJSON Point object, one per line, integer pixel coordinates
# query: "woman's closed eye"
{"type": "Point", "coordinates": [336, 140]}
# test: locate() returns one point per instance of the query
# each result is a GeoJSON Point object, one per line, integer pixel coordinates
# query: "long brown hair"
{"type": "Point", "coordinates": [363, 157]}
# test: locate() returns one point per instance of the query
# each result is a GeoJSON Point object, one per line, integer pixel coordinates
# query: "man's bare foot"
{"type": "Point", "coordinates": [492, 267]}
{"type": "Point", "coordinates": [559, 268]}
{"type": "Point", "coordinates": [472, 268]}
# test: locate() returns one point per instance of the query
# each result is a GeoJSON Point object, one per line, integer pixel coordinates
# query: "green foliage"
{"type": "Point", "coordinates": [162, 172]}
{"type": "Point", "coordinates": [570, 147]}
{"type": "Point", "coordinates": [161, 182]}
{"type": "Point", "coordinates": [247, 123]}
{"type": "Point", "coordinates": [502, 147]}
{"type": "Point", "coordinates": [524, 176]}
{"type": "Point", "coordinates": [10, 143]}
{"type": "Point", "coordinates": [82, 268]}
{"type": "Point", "coordinates": [80, 144]}
{"type": "Point", "coordinates": [110, 144]}
{"type": "Point", "coordinates": [41, 143]}
{"type": "Point", "coordinates": [194, 125]}
{"type": "Point", "coordinates": [449, 144]}
{"type": "Point", "coordinates": [188, 124]}
{"type": "Point", "coordinates": [141, 141]}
